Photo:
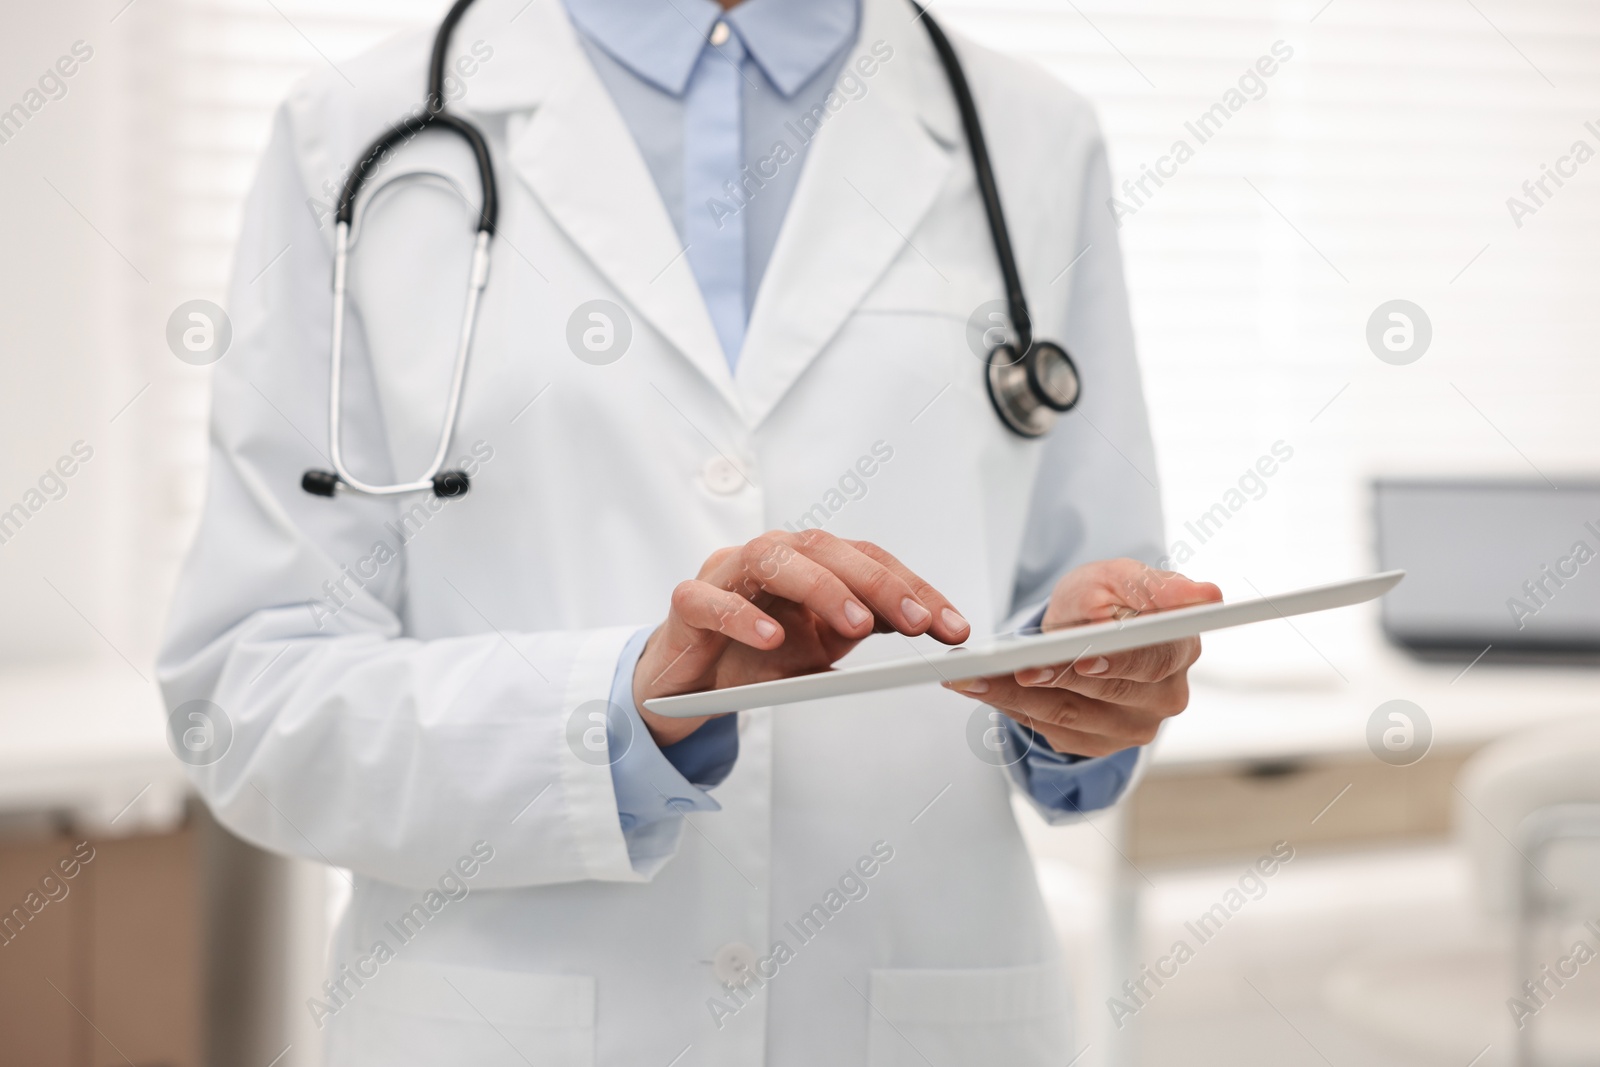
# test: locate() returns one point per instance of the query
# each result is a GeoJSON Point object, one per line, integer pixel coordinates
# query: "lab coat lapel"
{"type": "Point", "coordinates": [577, 155]}
{"type": "Point", "coordinates": [873, 171]}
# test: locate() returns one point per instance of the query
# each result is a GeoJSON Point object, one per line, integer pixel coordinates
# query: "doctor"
{"type": "Point", "coordinates": [724, 419]}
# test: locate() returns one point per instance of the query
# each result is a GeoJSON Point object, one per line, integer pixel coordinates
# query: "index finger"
{"type": "Point", "coordinates": [948, 624]}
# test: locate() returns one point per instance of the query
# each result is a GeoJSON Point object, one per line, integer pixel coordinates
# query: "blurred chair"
{"type": "Point", "coordinates": [1527, 817]}
{"type": "Point", "coordinates": [1528, 814]}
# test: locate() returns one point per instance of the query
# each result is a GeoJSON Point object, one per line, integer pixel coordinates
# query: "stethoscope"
{"type": "Point", "coordinates": [1027, 391]}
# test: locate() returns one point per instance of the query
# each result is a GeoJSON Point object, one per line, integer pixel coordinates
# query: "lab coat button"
{"type": "Point", "coordinates": [733, 961]}
{"type": "Point", "coordinates": [722, 476]}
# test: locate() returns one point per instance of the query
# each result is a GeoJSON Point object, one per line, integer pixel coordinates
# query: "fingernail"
{"type": "Point", "coordinates": [1035, 676]}
{"type": "Point", "coordinates": [1097, 665]}
{"type": "Point", "coordinates": [915, 613]}
{"type": "Point", "coordinates": [953, 620]}
{"type": "Point", "coordinates": [766, 628]}
{"type": "Point", "coordinates": [855, 614]}
{"type": "Point", "coordinates": [970, 685]}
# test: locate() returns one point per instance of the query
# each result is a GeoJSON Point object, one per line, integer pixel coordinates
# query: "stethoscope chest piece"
{"type": "Point", "coordinates": [1030, 381]}
{"type": "Point", "coordinates": [1028, 393]}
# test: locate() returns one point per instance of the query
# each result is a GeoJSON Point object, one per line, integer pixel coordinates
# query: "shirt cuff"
{"type": "Point", "coordinates": [654, 784]}
{"type": "Point", "coordinates": [1063, 782]}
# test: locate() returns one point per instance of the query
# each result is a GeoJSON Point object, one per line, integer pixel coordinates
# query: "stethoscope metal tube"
{"type": "Point", "coordinates": [442, 482]}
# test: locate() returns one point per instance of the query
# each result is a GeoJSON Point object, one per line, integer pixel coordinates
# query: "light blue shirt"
{"type": "Point", "coordinates": [720, 128]}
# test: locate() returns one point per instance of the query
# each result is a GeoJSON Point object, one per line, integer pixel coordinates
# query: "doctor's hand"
{"type": "Point", "coordinates": [1097, 705]}
{"type": "Point", "coordinates": [781, 605]}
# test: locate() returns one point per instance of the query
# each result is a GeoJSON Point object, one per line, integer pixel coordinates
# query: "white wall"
{"type": "Point", "coordinates": [63, 294]}
{"type": "Point", "coordinates": [153, 144]}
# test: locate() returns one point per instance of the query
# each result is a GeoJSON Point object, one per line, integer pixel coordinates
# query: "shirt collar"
{"type": "Point", "coordinates": [660, 40]}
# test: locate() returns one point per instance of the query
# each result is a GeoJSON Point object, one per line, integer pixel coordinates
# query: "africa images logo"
{"type": "Point", "coordinates": [199, 732]}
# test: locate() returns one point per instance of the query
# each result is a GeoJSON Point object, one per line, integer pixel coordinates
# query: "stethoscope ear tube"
{"type": "Point", "coordinates": [320, 483]}
{"type": "Point", "coordinates": [444, 484]}
{"type": "Point", "coordinates": [451, 483]}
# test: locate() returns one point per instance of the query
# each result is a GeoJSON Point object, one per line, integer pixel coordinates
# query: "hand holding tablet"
{"type": "Point", "coordinates": [1000, 655]}
{"type": "Point", "coordinates": [1095, 705]}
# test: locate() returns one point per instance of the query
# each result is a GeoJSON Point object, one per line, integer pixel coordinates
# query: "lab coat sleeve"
{"type": "Point", "coordinates": [339, 737]}
{"type": "Point", "coordinates": [1096, 494]}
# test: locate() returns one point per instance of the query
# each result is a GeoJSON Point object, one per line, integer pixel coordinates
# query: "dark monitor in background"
{"type": "Point", "coordinates": [1509, 564]}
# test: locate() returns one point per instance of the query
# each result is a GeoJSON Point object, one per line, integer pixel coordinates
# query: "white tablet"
{"type": "Point", "coordinates": [1001, 655]}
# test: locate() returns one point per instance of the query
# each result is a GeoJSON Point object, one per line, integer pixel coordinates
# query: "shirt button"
{"type": "Point", "coordinates": [721, 476]}
{"type": "Point", "coordinates": [719, 34]}
{"type": "Point", "coordinates": [733, 961]}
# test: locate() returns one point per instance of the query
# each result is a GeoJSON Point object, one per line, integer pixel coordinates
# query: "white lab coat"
{"type": "Point", "coordinates": [426, 706]}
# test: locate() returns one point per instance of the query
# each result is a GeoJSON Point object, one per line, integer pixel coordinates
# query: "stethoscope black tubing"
{"type": "Point", "coordinates": [978, 149]}
{"type": "Point", "coordinates": [435, 116]}
{"type": "Point", "coordinates": [441, 54]}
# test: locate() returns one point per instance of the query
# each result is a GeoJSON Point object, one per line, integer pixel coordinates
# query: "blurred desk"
{"type": "Point", "coordinates": [1227, 723]}
{"type": "Point", "coordinates": [104, 962]}
{"type": "Point", "coordinates": [183, 944]}
{"type": "Point", "coordinates": [1288, 760]}
{"type": "Point", "coordinates": [1245, 767]}
{"type": "Point", "coordinates": [86, 744]}
{"type": "Point", "coordinates": [84, 748]}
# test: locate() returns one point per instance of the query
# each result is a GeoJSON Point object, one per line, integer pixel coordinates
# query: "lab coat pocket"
{"type": "Point", "coordinates": [1017, 1016]}
{"type": "Point", "coordinates": [428, 1014]}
